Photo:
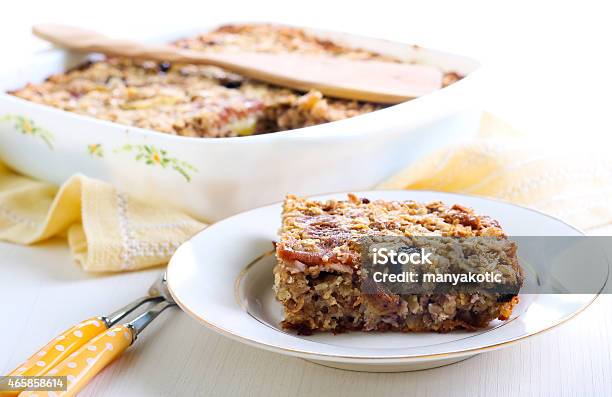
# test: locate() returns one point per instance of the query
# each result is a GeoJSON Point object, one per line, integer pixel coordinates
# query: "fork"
{"type": "Point", "coordinates": [83, 350]}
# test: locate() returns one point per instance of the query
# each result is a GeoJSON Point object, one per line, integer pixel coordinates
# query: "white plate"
{"type": "Point", "coordinates": [223, 278]}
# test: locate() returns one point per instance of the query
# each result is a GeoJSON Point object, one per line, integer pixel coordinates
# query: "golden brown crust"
{"type": "Point", "coordinates": [319, 232]}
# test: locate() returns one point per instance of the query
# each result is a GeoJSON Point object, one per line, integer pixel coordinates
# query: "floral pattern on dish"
{"type": "Point", "coordinates": [28, 127]}
{"type": "Point", "coordinates": [95, 150]}
{"type": "Point", "coordinates": [151, 155]}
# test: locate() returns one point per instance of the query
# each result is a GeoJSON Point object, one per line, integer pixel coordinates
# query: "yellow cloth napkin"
{"type": "Point", "coordinates": [575, 186]}
{"type": "Point", "coordinates": [108, 231]}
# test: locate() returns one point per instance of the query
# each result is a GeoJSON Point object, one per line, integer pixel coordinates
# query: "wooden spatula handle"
{"type": "Point", "coordinates": [367, 80]}
{"type": "Point", "coordinates": [83, 40]}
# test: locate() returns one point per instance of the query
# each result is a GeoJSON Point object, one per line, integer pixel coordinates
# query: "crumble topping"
{"type": "Point", "coordinates": [315, 231]}
{"type": "Point", "coordinates": [199, 100]}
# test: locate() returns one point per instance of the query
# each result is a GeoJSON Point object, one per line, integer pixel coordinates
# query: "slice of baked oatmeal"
{"type": "Point", "coordinates": [320, 281]}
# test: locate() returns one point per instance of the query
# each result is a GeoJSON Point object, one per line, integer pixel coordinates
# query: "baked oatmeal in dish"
{"type": "Point", "coordinates": [319, 276]}
{"type": "Point", "coordinates": [204, 101]}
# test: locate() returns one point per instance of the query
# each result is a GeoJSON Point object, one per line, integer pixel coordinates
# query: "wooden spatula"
{"type": "Point", "coordinates": [365, 80]}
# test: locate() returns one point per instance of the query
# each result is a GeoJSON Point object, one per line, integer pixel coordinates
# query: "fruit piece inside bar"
{"type": "Point", "coordinates": [319, 279]}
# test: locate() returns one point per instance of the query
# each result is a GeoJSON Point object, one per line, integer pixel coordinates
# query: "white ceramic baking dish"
{"type": "Point", "coordinates": [213, 178]}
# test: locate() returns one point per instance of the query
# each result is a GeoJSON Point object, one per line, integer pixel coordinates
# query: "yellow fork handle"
{"type": "Point", "coordinates": [61, 347]}
{"type": "Point", "coordinates": [58, 349]}
{"type": "Point", "coordinates": [88, 360]}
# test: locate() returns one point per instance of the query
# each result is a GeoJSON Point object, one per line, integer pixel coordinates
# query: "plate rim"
{"type": "Point", "coordinates": [376, 359]}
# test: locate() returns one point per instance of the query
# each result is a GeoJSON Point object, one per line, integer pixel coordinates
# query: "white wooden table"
{"type": "Point", "coordinates": [42, 292]}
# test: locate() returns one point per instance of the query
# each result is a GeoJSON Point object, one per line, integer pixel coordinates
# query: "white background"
{"type": "Point", "coordinates": [551, 74]}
